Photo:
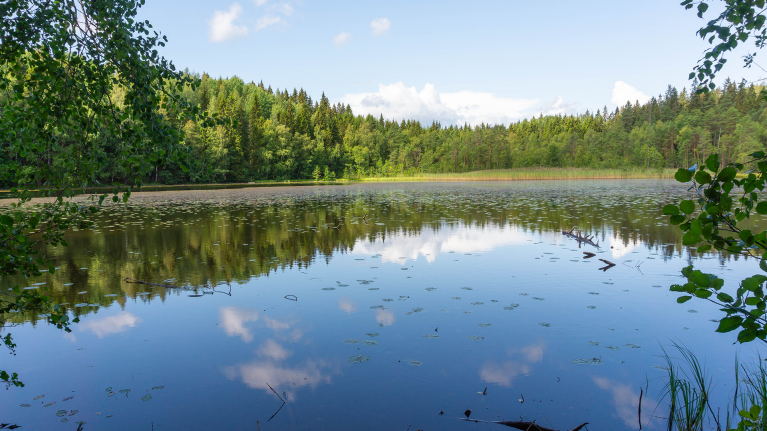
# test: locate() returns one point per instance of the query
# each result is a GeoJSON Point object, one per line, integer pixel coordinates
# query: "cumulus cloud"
{"type": "Point", "coordinates": [110, 325]}
{"type": "Point", "coordinates": [380, 25]}
{"type": "Point", "coordinates": [285, 9]}
{"type": "Point", "coordinates": [257, 374]}
{"type": "Point", "coordinates": [623, 93]}
{"type": "Point", "coordinates": [396, 101]}
{"type": "Point", "coordinates": [342, 38]}
{"type": "Point", "coordinates": [267, 20]}
{"type": "Point", "coordinates": [273, 350]}
{"type": "Point", "coordinates": [222, 26]}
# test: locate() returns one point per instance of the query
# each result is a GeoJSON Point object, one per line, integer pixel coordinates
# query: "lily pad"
{"type": "Point", "coordinates": [613, 347]}
{"type": "Point", "coordinates": [538, 299]}
{"type": "Point", "coordinates": [378, 307]}
{"type": "Point", "coordinates": [358, 359]}
{"type": "Point", "coordinates": [38, 397]}
{"type": "Point", "coordinates": [387, 300]}
{"type": "Point", "coordinates": [373, 288]}
{"type": "Point", "coordinates": [158, 388]}
{"type": "Point", "coordinates": [467, 288]}
{"type": "Point", "coordinates": [511, 306]}
{"type": "Point", "coordinates": [26, 405]}
{"type": "Point", "coordinates": [64, 420]}
{"type": "Point", "coordinates": [477, 303]}
{"type": "Point", "coordinates": [146, 397]}
{"type": "Point", "coordinates": [414, 363]}
{"type": "Point", "coordinates": [523, 294]}
{"type": "Point", "coordinates": [350, 341]}
{"type": "Point", "coordinates": [584, 361]}
{"type": "Point", "coordinates": [50, 404]}
{"type": "Point", "coordinates": [457, 298]}
{"type": "Point", "coordinates": [591, 307]}
{"type": "Point", "coordinates": [328, 288]}
{"type": "Point", "coordinates": [431, 336]}
{"type": "Point", "coordinates": [547, 325]}
{"type": "Point", "coordinates": [476, 338]}
{"type": "Point", "coordinates": [417, 310]}
{"type": "Point", "coordinates": [593, 343]}
{"type": "Point", "coordinates": [632, 346]}
{"type": "Point", "coordinates": [430, 289]}
{"type": "Point", "coordinates": [61, 413]}
{"type": "Point", "coordinates": [370, 343]}
{"type": "Point", "coordinates": [372, 334]}
{"type": "Point", "coordinates": [125, 391]}
{"type": "Point", "coordinates": [484, 325]}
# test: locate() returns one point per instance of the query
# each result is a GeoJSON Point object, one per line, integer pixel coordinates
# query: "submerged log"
{"type": "Point", "coordinates": [532, 426]}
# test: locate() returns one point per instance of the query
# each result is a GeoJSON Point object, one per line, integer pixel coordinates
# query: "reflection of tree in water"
{"type": "Point", "coordinates": [231, 236]}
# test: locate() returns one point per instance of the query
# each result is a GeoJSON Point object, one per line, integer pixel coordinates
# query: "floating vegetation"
{"type": "Point", "coordinates": [457, 298]}
{"type": "Point", "coordinates": [692, 311]}
{"type": "Point", "coordinates": [523, 294]}
{"type": "Point", "coordinates": [26, 405]}
{"type": "Point", "coordinates": [111, 393]}
{"type": "Point", "coordinates": [372, 334]}
{"type": "Point", "coordinates": [467, 288]}
{"type": "Point", "coordinates": [38, 397]}
{"type": "Point", "coordinates": [328, 288]}
{"type": "Point", "coordinates": [156, 388]}
{"type": "Point", "coordinates": [493, 300]}
{"type": "Point", "coordinates": [477, 303]}
{"type": "Point", "coordinates": [67, 398]}
{"type": "Point", "coordinates": [403, 298]}
{"type": "Point", "coordinates": [485, 325]}
{"type": "Point", "coordinates": [538, 299]}
{"type": "Point", "coordinates": [125, 391]}
{"type": "Point", "coordinates": [110, 295]}
{"type": "Point", "coordinates": [50, 404]}
{"type": "Point", "coordinates": [373, 288]}
{"type": "Point", "coordinates": [417, 310]}
{"type": "Point", "coordinates": [591, 307]}
{"type": "Point", "coordinates": [370, 343]}
{"type": "Point", "coordinates": [350, 341]}
{"type": "Point", "coordinates": [358, 359]}
{"type": "Point", "coordinates": [631, 345]}
{"type": "Point", "coordinates": [607, 282]}
{"type": "Point", "coordinates": [378, 307]}
{"type": "Point", "coordinates": [593, 293]}
{"type": "Point", "coordinates": [593, 343]}
{"type": "Point", "coordinates": [364, 281]}
{"type": "Point", "coordinates": [343, 285]}
{"type": "Point", "coordinates": [476, 338]}
{"type": "Point", "coordinates": [467, 312]}
{"type": "Point", "coordinates": [584, 361]}
{"type": "Point", "coordinates": [414, 363]}
{"type": "Point", "coordinates": [431, 336]}
{"type": "Point", "coordinates": [431, 289]}
{"type": "Point", "coordinates": [146, 397]}
{"type": "Point", "coordinates": [613, 347]}
{"type": "Point", "coordinates": [387, 300]}
{"type": "Point", "coordinates": [547, 325]}
{"type": "Point", "coordinates": [61, 413]}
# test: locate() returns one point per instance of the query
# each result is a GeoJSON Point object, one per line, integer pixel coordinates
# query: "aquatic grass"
{"type": "Point", "coordinates": [523, 174]}
{"type": "Point", "coordinates": [687, 390]}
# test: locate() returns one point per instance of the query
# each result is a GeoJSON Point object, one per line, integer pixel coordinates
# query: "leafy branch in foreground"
{"type": "Point", "coordinates": [724, 201]}
{"type": "Point", "coordinates": [73, 73]}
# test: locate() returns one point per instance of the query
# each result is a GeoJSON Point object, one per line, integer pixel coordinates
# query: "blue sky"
{"type": "Point", "coordinates": [455, 61]}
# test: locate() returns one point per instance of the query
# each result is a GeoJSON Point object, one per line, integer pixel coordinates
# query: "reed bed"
{"type": "Point", "coordinates": [526, 174]}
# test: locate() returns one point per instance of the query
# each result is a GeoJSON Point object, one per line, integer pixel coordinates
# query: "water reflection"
{"type": "Point", "coordinates": [625, 400]}
{"type": "Point", "coordinates": [503, 373]}
{"type": "Point", "coordinates": [110, 325]}
{"type": "Point", "coordinates": [233, 320]}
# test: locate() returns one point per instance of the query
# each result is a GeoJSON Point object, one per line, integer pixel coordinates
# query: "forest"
{"type": "Point", "coordinates": [266, 134]}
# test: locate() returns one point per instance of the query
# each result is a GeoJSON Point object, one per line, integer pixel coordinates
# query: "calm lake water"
{"type": "Point", "coordinates": [369, 307]}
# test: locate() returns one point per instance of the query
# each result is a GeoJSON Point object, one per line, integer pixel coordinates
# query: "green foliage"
{"type": "Point", "coordinates": [74, 76]}
{"type": "Point", "coordinates": [725, 198]}
{"type": "Point", "coordinates": [737, 22]}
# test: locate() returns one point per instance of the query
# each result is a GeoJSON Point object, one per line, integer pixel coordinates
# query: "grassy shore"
{"type": "Point", "coordinates": [522, 174]}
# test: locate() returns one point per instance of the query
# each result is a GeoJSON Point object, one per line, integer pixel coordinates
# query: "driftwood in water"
{"type": "Point", "coordinates": [133, 280]}
{"type": "Point", "coordinates": [532, 426]}
{"type": "Point", "coordinates": [609, 265]}
{"type": "Point", "coordinates": [585, 239]}
{"type": "Point", "coordinates": [588, 254]}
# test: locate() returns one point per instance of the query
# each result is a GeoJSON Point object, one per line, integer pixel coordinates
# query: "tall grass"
{"type": "Point", "coordinates": [688, 387]}
{"type": "Point", "coordinates": [522, 174]}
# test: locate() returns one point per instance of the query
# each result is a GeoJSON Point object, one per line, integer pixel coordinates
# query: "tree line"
{"type": "Point", "coordinates": [266, 134]}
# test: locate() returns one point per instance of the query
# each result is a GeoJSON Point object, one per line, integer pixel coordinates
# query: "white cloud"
{"type": "Point", "coordinates": [380, 25]}
{"type": "Point", "coordinates": [260, 2]}
{"type": "Point", "coordinates": [285, 9]}
{"type": "Point", "coordinates": [342, 38]}
{"type": "Point", "coordinates": [273, 350]}
{"type": "Point", "coordinates": [623, 93]}
{"type": "Point", "coordinates": [267, 20]}
{"type": "Point", "coordinates": [110, 325]}
{"type": "Point", "coordinates": [347, 306]}
{"type": "Point", "coordinates": [260, 375]}
{"type": "Point", "coordinates": [233, 321]}
{"type": "Point", "coordinates": [396, 101]}
{"type": "Point", "coordinates": [222, 26]}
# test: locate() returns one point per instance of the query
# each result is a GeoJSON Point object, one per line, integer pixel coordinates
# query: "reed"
{"type": "Point", "coordinates": [526, 174]}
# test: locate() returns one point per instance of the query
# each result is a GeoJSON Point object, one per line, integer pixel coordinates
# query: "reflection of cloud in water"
{"type": "Point", "coordinates": [256, 375]}
{"type": "Point", "coordinates": [233, 321]}
{"type": "Point", "coordinates": [503, 374]}
{"type": "Point", "coordinates": [626, 400]}
{"type": "Point", "coordinates": [401, 246]}
{"type": "Point", "coordinates": [273, 350]}
{"type": "Point", "coordinates": [110, 325]}
{"type": "Point", "coordinates": [620, 249]}
{"type": "Point", "coordinates": [347, 305]}
{"type": "Point", "coordinates": [384, 317]}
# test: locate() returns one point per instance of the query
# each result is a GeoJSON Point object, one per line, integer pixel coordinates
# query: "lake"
{"type": "Point", "coordinates": [370, 306]}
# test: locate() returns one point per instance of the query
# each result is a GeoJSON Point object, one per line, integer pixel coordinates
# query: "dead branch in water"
{"type": "Point", "coordinates": [133, 280]}
{"type": "Point", "coordinates": [532, 426]}
{"type": "Point", "coordinates": [588, 254]}
{"type": "Point", "coordinates": [580, 238]}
